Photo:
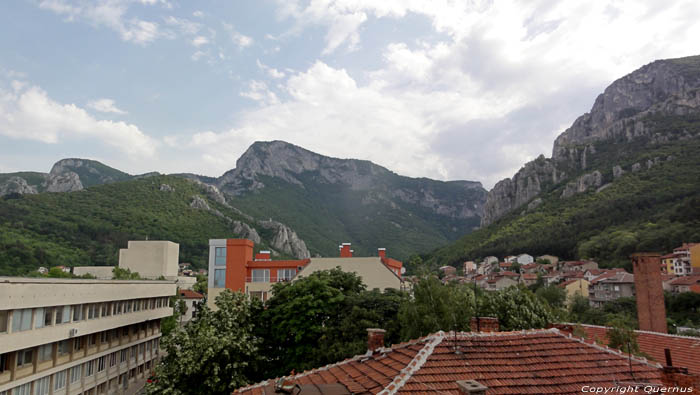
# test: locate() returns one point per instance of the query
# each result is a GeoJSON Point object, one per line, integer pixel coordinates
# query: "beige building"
{"type": "Point", "coordinates": [151, 259]}
{"type": "Point", "coordinates": [373, 272]}
{"type": "Point", "coordinates": [74, 336]}
{"type": "Point", "coordinates": [575, 286]}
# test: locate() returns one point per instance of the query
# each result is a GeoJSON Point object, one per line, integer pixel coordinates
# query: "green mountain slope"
{"type": "Point", "coordinates": [652, 209]}
{"type": "Point", "coordinates": [88, 227]}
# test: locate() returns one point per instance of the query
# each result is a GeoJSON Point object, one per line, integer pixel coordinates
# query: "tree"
{"type": "Point", "coordinates": [555, 296]}
{"type": "Point", "coordinates": [57, 272]}
{"type": "Point", "coordinates": [302, 323]}
{"type": "Point", "coordinates": [621, 335]}
{"type": "Point", "coordinates": [515, 267]}
{"type": "Point", "coordinates": [516, 308]}
{"type": "Point", "coordinates": [213, 352]}
{"type": "Point", "coordinates": [201, 284]}
{"type": "Point", "coordinates": [436, 307]}
{"type": "Point", "coordinates": [124, 274]}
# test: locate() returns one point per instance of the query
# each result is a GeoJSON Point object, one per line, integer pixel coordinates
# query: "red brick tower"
{"type": "Point", "coordinates": [651, 311]}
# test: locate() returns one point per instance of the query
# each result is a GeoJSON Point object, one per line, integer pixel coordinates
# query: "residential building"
{"type": "Point", "coordinates": [533, 268]}
{"type": "Point", "coordinates": [669, 262]}
{"type": "Point", "coordinates": [468, 267]}
{"type": "Point", "coordinates": [573, 287]}
{"type": "Point", "coordinates": [448, 270]}
{"type": "Point", "coordinates": [690, 254]}
{"type": "Point", "coordinates": [232, 265]}
{"type": "Point", "coordinates": [610, 287]}
{"type": "Point", "coordinates": [684, 283]}
{"type": "Point", "coordinates": [500, 282]}
{"type": "Point", "coordinates": [490, 259]}
{"type": "Point", "coordinates": [580, 266]}
{"type": "Point", "coordinates": [552, 278]}
{"type": "Point", "coordinates": [75, 336]}
{"type": "Point", "coordinates": [541, 361]}
{"type": "Point", "coordinates": [510, 258]}
{"type": "Point", "coordinates": [551, 258]}
{"type": "Point", "coordinates": [151, 259]}
{"type": "Point", "coordinates": [192, 300]}
{"type": "Point", "coordinates": [527, 279]}
{"type": "Point", "coordinates": [524, 259]}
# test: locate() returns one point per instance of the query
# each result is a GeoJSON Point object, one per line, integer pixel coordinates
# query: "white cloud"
{"type": "Point", "coordinates": [241, 40]}
{"type": "Point", "coordinates": [271, 71]}
{"type": "Point", "coordinates": [259, 92]}
{"type": "Point", "coordinates": [105, 105]}
{"type": "Point", "coordinates": [29, 113]}
{"type": "Point", "coordinates": [110, 14]}
{"type": "Point", "coordinates": [199, 41]}
{"type": "Point", "coordinates": [198, 14]}
{"type": "Point", "coordinates": [184, 25]}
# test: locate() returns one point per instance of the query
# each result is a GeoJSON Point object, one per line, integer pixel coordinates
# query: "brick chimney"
{"type": "Point", "coordinates": [345, 251]}
{"type": "Point", "coordinates": [648, 289]}
{"type": "Point", "coordinates": [263, 256]}
{"type": "Point", "coordinates": [471, 387]}
{"type": "Point", "coordinates": [484, 324]}
{"type": "Point", "coordinates": [678, 377]}
{"type": "Point", "coordinates": [381, 252]}
{"type": "Point", "coordinates": [375, 338]}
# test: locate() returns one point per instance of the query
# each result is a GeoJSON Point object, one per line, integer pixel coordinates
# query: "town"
{"type": "Point", "coordinates": [99, 329]}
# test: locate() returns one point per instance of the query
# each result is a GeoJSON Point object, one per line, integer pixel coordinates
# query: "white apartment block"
{"type": "Point", "coordinates": [74, 336]}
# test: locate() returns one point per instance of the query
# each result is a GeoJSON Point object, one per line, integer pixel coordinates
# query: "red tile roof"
{"type": "Point", "coordinates": [684, 349]}
{"type": "Point", "coordinates": [544, 361]}
{"type": "Point", "coordinates": [190, 294]}
{"type": "Point", "coordinates": [686, 280]}
{"type": "Point", "coordinates": [529, 276]}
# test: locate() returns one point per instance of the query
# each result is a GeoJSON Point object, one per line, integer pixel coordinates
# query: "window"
{"type": "Point", "coordinates": [3, 321]}
{"type": "Point", "coordinates": [112, 359]}
{"type": "Point", "coordinates": [62, 314]}
{"type": "Point", "coordinates": [220, 256]}
{"type": "Point", "coordinates": [153, 303]}
{"type": "Point", "coordinates": [142, 348]}
{"type": "Point", "coordinates": [45, 352]}
{"type": "Point", "coordinates": [63, 347]}
{"type": "Point", "coordinates": [24, 389]}
{"type": "Point", "coordinates": [4, 362]}
{"type": "Point", "coordinates": [59, 380]}
{"type": "Point", "coordinates": [92, 340]}
{"type": "Point", "coordinates": [219, 278]}
{"type": "Point", "coordinates": [92, 311]}
{"type": "Point", "coordinates": [286, 274]}
{"type": "Point", "coordinates": [77, 343]}
{"type": "Point", "coordinates": [48, 316]}
{"type": "Point", "coordinates": [261, 275]}
{"type": "Point", "coordinates": [75, 373]}
{"type": "Point", "coordinates": [89, 368]}
{"type": "Point", "coordinates": [125, 331]}
{"type": "Point", "coordinates": [134, 351]}
{"type": "Point", "coordinates": [77, 312]}
{"type": "Point", "coordinates": [106, 309]}
{"type": "Point", "coordinates": [39, 323]}
{"type": "Point", "coordinates": [24, 357]}
{"type": "Point", "coordinates": [21, 320]}
{"type": "Point", "coordinates": [104, 337]}
{"type": "Point", "coordinates": [41, 386]}
{"type": "Point", "coordinates": [123, 355]}
{"type": "Point", "coordinates": [101, 364]}
{"type": "Point", "coordinates": [137, 305]}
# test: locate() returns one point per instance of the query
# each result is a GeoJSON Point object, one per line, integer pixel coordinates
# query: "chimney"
{"type": "Point", "coordinates": [345, 251]}
{"type": "Point", "coordinates": [471, 387]}
{"type": "Point", "coordinates": [263, 256]}
{"type": "Point", "coordinates": [484, 324]}
{"type": "Point", "coordinates": [648, 289]}
{"type": "Point", "coordinates": [672, 376]}
{"type": "Point", "coordinates": [375, 339]}
{"type": "Point", "coordinates": [381, 252]}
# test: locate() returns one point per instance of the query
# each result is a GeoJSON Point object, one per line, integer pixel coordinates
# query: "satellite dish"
{"type": "Point", "coordinates": [403, 270]}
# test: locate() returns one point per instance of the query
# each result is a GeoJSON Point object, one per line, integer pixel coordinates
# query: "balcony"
{"type": "Point", "coordinates": [268, 280]}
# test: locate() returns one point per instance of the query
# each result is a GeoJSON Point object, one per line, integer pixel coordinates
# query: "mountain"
{"type": "Point", "coordinates": [88, 227]}
{"type": "Point", "coordinates": [330, 200]}
{"type": "Point", "coordinates": [624, 177]}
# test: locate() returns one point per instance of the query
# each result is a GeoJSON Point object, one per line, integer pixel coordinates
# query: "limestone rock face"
{"type": "Point", "coordinates": [246, 232]}
{"type": "Point", "coordinates": [16, 185]}
{"type": "Point", "coordinates": [286, 240]}
{"type": "Point", "coordinates": [617, 171]}
{"type": "Point", "coordinates": [166, 188]}
{"type": "Point", "coordinates": [65, 181]}
{"type": "Point", "coordinates": [199, 203]}
{"type": "Point", "coordinates": [582, 184]}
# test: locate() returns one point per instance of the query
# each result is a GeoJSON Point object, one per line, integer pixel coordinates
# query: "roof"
{"type": "Point", "coordinates": [684, 349]}
{"type": "Point", "coordinates": [686, 280]}
{"type": "Point", "coordinates": [614, 277]}
{"type": "Point", "coordinates": [190, 294]}
{"type": "Point", "coordinates": [543, 361]}
{"type": "Point", "coordinates": [565, 283]}
{"type": "Point", "coordinates": [529, 276]}
{"type": "Point", "coordinates": [509, 274]}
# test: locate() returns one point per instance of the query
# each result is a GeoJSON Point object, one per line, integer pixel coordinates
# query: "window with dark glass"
{"type": "Point", "coordinates": [220, 256]}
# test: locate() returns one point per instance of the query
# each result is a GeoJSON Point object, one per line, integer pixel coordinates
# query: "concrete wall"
{"type": "Point", "coordinates": [100, 272]}
{"type": "Point", "coordinates": [213, 243]}
{"type": "Point", "coordinates": [151, 259]}
{"type": "Point", "coordinates": [373, 272]}
{"type": "Point", "coordinates": [185, 282]}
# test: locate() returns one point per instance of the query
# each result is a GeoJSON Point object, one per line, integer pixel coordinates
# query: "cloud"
{"type": "Point", "coordinates": [271, 71]}
{"type": "Point", "coordinates": [105, 105]}
{"type": "Point", "coordinates": [199, 41]}
{"type": "Point", "coordinates": [241, 40]}
{"type": "Point", "coordinates": [259, 92]}
{"type": "Point", "coordinates": [29, 113]}
{"type": "Point", "coordinates": [184, 25]}
{"type": "Point", "coordinates": [110, 14]}
{"type": "Point", "coordinates": [198, 14]}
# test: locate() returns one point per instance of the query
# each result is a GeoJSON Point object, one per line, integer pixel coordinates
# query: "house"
{"type": "Point", "coordinates": [592, 274]}
{"type": "Point", "coordinates": [531, 268]}
{"type": "Point", "coordinates": [684, 283]}
{"type": "Point", "coordinates": [184, 266]}
{"type": "Point", "coordinates": [505, 265]}
{"type": "Point", "coordinates": [524, 259]}
{"type": "Point", "coordinates": [573, 287]}
{"type": "Point", "coordinates": [499, 282]}
{"type": "Point", "coordinates": [510, 258]}
{"type": "Point", "coordinates": [669, 262]}
{"type": "Point", "coordinates": [610, 286]}
{"type": "Point", "coordinates": [552, 278]}
{"type": "Point", "coordinates": [468, 267]}
{"type": "Point", "coordinates": [527, 279]}
{"type": "Point", "coordinates": [581, 266]}
{"type": "Point", "coordinates": [551, 258]}
{"type": "Point", "coordinates": [490, 259]}
{"type": "Point", "coordinates": [192, 300]}
{"type": "Point", "coordinates": [235, 267]}
{"type": "Point", "coordinates": [541, 361]}
{"type": "Point", "coordinates": [42, 270]}
{"type": "Point", "coordinates": [666, 280]}
{"type": "Point", "coordinates": [448, 270]}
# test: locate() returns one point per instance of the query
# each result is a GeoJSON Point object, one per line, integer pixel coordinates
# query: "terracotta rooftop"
{"type": "Point", "coordinates": [684, 349]}
{"type": "Point", "coordinates": [190, 294]}
{"type": "Point", "coordinates": [686, 280]}
{"type": "Point", "coordinates": [544, 361]}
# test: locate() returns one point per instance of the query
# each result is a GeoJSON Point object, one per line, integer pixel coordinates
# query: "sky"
{"type": "Point", "coordinates": [449, 90]}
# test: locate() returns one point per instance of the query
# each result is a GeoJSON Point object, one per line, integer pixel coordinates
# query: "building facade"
{"type": "Point", "coordinates": [70, 336]}
{"type": "Point", "coordinates": [233, 265]}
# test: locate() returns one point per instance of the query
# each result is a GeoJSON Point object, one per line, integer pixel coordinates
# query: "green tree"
{"type": "Point", "coordinates": [436, 307]}
{"type": "Point", "coordinates": [516, 308]}
{"type": "Point", "coordinates": [57, 272]}
{"type": "Point", "coordinates": [621, 335]}
{"type": "Point", "coordinates": [201, 284]}
{"type": "Point", "coordinates": [554, 295]}
{"type": "Point", "coordinates": [212, 353]}
{"type": "Point", "coordinates": [124, 274]}
{"type": "Point", "coordinates": [515, 267]}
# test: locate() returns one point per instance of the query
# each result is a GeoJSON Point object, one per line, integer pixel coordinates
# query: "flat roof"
{"type": "Point", "coordinates": [51, 280]}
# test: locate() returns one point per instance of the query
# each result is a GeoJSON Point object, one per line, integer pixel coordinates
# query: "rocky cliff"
{"type": "Point", "coordinates": [620, 114]}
